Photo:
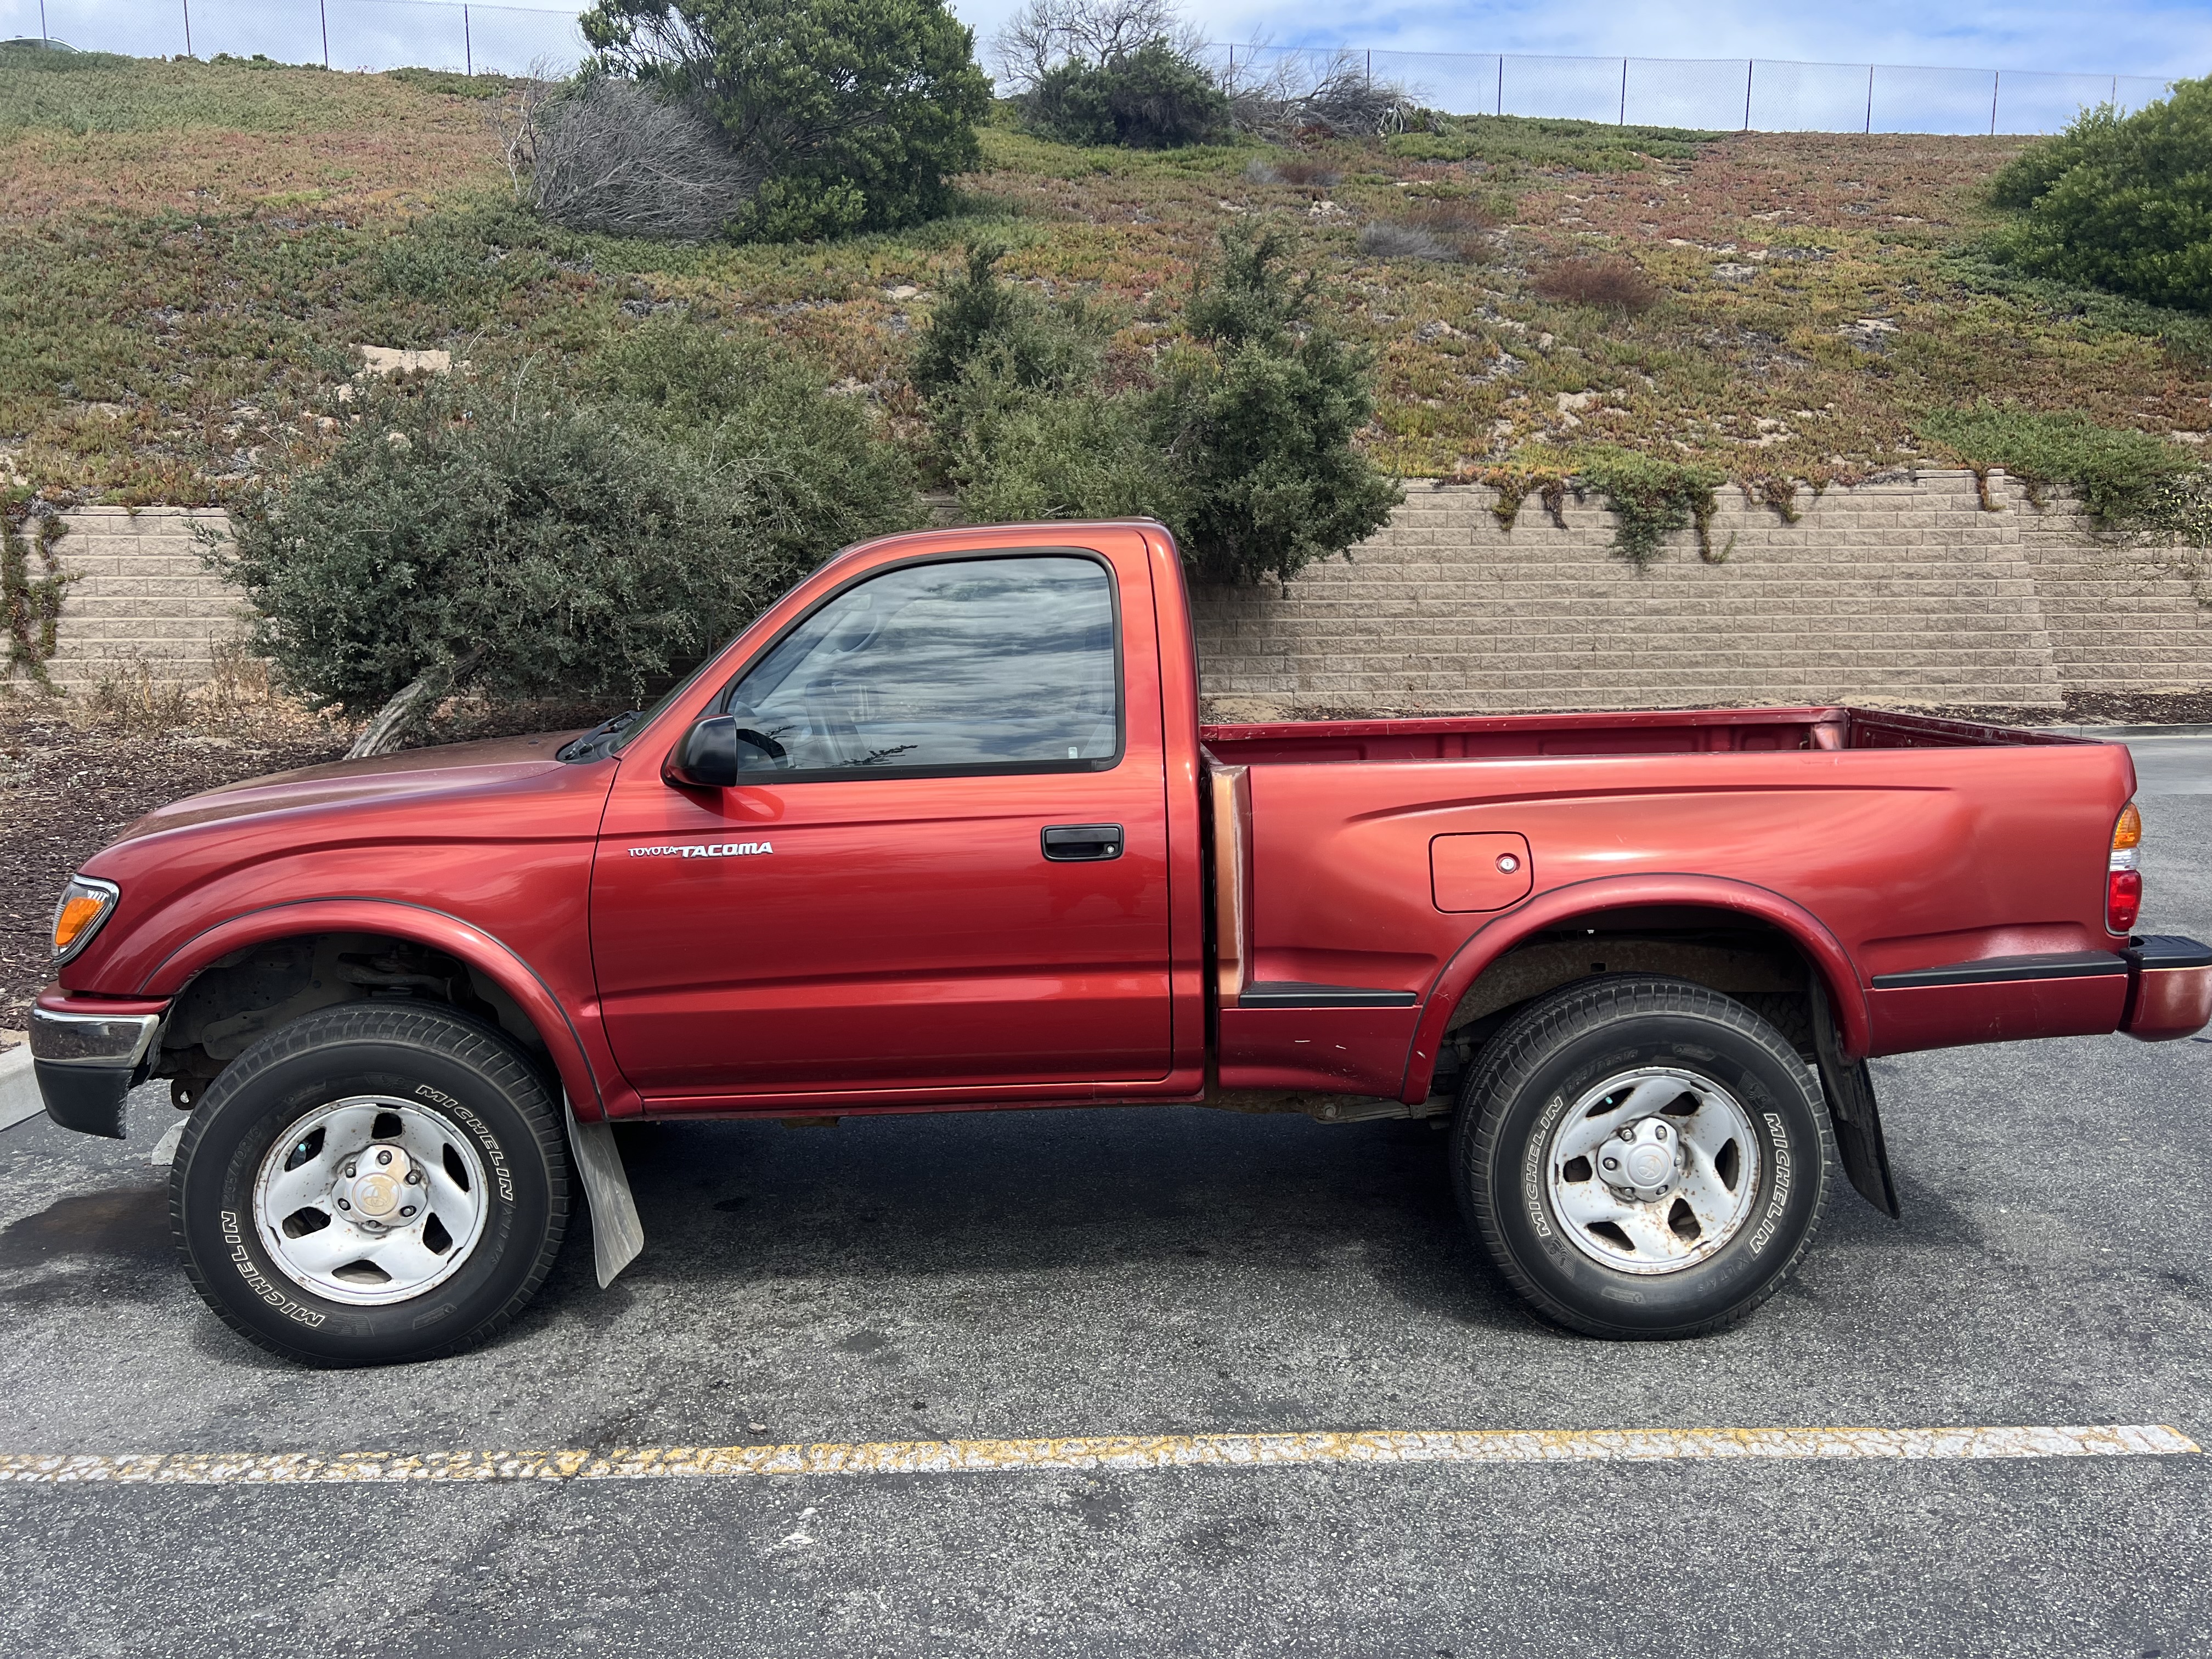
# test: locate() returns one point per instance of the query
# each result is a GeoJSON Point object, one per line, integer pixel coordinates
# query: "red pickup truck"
{"type": "Point", "coordinates": [942, 831]}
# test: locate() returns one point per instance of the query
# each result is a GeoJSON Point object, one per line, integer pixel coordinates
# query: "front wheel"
{"type": "Point", "coordinates": [372, 1183]}
{"type": "Point", "coordinates": [1641, 1157]}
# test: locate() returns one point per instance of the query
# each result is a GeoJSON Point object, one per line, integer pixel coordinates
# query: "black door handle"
{"type": "Point", "coordinates": [1082, 842]}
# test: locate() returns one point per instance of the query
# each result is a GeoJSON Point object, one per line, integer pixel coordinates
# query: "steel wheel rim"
{"type": "Point", "coordinates": [329, 1196]}
{"type": "Point", "coordinates": [1635, 1216]}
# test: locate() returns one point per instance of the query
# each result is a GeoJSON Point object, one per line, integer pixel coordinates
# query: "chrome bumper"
{"type": "Point", "coordinates": [86, 1064]}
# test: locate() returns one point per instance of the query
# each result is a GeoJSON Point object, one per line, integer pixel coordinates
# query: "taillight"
{"type": "Point", "coordinates": [2123, 881]}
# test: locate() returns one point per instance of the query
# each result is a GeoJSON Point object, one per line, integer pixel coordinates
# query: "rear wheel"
{"type": "Point", "coordinates": [1641, 1157]}
{"type": "Point", "coordinates": [374, 1182]}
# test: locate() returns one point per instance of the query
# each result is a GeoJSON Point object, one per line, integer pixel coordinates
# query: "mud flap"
{"type": "Point", "coordinates": [617, 1234]}
{"type": "Point", "coordinates": [1850, 1089]}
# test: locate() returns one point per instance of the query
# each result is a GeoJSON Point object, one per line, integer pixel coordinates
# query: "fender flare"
{"type": "Point", "coordinates": [1555, 905]}
{"type": "Point", "coordinates": [457, 937]}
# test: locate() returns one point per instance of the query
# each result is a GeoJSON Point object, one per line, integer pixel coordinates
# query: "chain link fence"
{"type": "Point", "coordinates": [1713, 95]}
{"type": "Point", "coordinates": [1726, 95]}
{"type": "Point", "coordinates": [344, 34]}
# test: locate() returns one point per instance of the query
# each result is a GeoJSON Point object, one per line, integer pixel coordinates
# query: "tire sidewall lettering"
{"type": "Point", "coordinates": [1520, 1196]}
{"type": "Point", "coordinates": [215, 1196]}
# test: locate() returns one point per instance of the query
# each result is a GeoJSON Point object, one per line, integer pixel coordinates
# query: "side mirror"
{"type": "Point", "coordinates": [716, 750]}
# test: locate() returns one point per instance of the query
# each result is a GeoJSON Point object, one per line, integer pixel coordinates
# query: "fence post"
{"type": "Point", "coordinates": [322, 10]}
{"type": "Point", "coordinates": [1870, 124]}
{"type": "Point", "coordinates": [188, 27]}
{"type": "Point", "coordinates": [1624, 92]}
{"type": "Point", "coordinates": [468, 47]}
{"type": "Point", "coordinates": [1370, 69]}
{"type": "Point", "coordinates": [1997, 79]}
{"type": "Point", "coordinates": [42, 35]}
{"type": "Point", "coordinates": [1501, 84]}
{"type": "Point", "coordinates": [1748, 63]}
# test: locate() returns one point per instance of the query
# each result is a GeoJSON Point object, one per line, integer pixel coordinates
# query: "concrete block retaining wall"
{"type": "Point", "coordinates": [1905, 591]}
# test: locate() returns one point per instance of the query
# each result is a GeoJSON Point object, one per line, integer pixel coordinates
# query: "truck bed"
{"type": "Point", "coordinates": [1356, 909]}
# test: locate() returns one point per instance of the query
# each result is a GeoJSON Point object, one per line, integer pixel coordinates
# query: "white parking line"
{"type": "Point", "coordinates": [1374, 1446]}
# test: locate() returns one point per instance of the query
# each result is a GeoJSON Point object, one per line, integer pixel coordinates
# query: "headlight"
{"type": "Point", "coordinates": [85, 902]}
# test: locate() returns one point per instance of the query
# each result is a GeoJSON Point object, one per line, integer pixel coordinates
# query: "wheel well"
{"type": "Point", "coordinates": [238, 998]}
{"type": "Point", "coordinates": [1757, 964]}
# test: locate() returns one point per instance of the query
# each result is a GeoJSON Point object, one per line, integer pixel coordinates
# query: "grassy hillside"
{"type": "Point", "coordinates": [189, 253]}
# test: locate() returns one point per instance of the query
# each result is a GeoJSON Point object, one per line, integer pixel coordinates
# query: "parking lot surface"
{"type": "Point", "coordinates": [1024, 1275]}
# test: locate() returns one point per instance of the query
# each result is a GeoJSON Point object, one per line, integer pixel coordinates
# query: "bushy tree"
{"type": "Point", "coordinates": [1153, 98]}
{"type": "Point", "coordinates": [2121, 203]}
{"type": "Point", "coordinates": [855, 113]}
{"type": "Point", "coordinates": [1110, 72]}
{"type": "Point", "coordinates": [1241, 444]}
{"type": "Point", "coordinates": [531, 543]}
{"type": "Point", "coordinates": [813, 461]}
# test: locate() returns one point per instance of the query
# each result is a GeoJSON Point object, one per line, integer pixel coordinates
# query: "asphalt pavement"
{"type": "Point", "coordinates": [1026, 1275]}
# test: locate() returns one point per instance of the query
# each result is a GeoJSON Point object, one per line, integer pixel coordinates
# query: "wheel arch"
{"type": "Point", "coordinates": [313, 920]}
{"type": "Point", "coordinates": [1608, 900]}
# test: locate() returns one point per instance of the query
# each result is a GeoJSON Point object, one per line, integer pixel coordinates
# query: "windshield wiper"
{"type": "Point", "coordinates": [598, 742]}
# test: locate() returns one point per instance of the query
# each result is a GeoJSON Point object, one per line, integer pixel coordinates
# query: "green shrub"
{"type": "Point", "coordinates": [813, 461]}
{"type": "Point", "coordinates": [1152, 98]}
{"type": "Point", "coordinates": [2114, 473]}
{"type": "Point", "coordinates": [857, 114]}
{"type": "Point", "coordinates": [499, 538]}
{"type": "Point", "coordinates": [1016, 456]}
{"type": "Point", "coordinates": [2120, 203]}
{"type": "Point", "coordinates": [1242, 446]}
{"type": "Point", "coordinates": [1039, 345]}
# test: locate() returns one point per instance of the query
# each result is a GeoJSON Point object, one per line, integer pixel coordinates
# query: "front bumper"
{"type": "Point", "coordinates": [89, 1054]}
{"type": "Point", "coordinates": [2171, 993]}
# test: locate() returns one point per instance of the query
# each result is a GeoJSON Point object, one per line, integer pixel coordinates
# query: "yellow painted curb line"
{"type": "Point", "coordinates": [1375, 1446]}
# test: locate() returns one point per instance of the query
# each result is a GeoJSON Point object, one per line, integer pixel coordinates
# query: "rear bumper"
{"type": "Point", "coordinates": [2156, 989]}
{"type": "Point", "coordinates": [2171, 995]}
{"type": "Point", "coordinates": [88, 1054]}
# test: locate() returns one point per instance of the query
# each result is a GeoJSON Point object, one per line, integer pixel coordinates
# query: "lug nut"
{"type": "Point", "coordinates": [349, 1172]}
{"type": "Point", "coordinates": [407, 1209]}
{"type": "Point", "coordinates": [384, 1155]}
{"type": "Point", "coordinates": [1613, 1164]}
{"type": "Point", "coordinates": [414, 1177]}
{"type": "Point", "coordinates": [343, 1205]}
{"type": "Point", "coordinates": [1659, 1132]}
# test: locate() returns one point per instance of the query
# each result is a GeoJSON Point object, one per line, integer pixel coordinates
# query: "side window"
{"type": "Point", "coordinates": [1006, 663]}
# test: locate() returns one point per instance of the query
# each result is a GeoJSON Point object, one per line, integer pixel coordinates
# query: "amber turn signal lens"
{"type": "Point", "coordinates": [2127, 834]}
{"type": "Point", "coordinates": [85, 904]}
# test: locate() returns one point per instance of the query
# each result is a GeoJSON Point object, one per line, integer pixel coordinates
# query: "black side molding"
{"type": "Point", "coordinates": [1997, 971]}
{"type": "Point", "coordinates": [1291, 993]}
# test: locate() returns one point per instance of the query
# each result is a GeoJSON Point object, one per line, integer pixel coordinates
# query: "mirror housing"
{"type": "Point", "coordinates": [707, 757]}
{"type": "Point", "coordinates": [710, 757]}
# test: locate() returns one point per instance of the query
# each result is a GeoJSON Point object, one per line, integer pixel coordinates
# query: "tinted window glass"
{"type": "Point", "coordinates": [985, 662]}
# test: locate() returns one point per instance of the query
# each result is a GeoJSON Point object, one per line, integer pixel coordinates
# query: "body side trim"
{"type": "Point", "coordinates": [1995, 971]}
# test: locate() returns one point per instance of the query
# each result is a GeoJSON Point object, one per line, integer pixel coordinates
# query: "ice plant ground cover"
{"type": "Point", "coordinates": [191, 254]}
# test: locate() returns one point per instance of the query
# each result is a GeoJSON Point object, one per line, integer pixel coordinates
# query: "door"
{"type": "Point", "coordinates": [945, 861]}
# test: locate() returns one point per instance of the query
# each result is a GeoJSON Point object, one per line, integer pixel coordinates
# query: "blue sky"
{"type": "Point", "coordinates": [2128, 37]}
{"type": "Point", "coordinates": [2125, 37]}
